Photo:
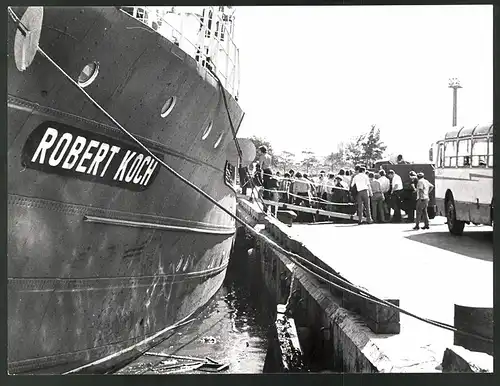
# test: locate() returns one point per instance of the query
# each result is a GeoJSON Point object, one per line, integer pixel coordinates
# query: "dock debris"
{"type": "Point", "coordinates": [209, 340]}
{"type": "Point", "coordinates": [289, 346]}
{"type": "Point", "coordinates": [206, 364]}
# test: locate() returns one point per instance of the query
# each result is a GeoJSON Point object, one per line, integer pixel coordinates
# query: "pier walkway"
{"type": "Point", "coordinates": [429, 271]}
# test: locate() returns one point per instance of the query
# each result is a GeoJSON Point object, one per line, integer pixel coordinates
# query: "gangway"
{"type": "Point", "coordinates": [317, 211]}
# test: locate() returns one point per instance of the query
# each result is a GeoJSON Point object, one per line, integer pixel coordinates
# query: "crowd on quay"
{"type": "Point", "coordinates": [371, 195]}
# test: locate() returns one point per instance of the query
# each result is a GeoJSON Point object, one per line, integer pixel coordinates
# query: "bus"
{"type": "Point", "coordinates": [464, 176]}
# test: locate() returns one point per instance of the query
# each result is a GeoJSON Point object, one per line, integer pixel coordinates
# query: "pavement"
{"type": "Point", "coordinates": [428, 270]}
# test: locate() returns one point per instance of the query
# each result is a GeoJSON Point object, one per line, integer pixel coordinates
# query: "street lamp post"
{"type": "Point", "coordinates": [454, 83]}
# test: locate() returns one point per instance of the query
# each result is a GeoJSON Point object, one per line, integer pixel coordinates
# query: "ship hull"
{"type": "Point", "coordinates": [95, 266]}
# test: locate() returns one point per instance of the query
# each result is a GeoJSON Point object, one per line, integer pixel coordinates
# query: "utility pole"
{"type": "Point", "coordinates": [454, 83]}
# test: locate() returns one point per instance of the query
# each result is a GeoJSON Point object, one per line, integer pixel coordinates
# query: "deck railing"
{"type": "Point", "coordinates": [192, 35]}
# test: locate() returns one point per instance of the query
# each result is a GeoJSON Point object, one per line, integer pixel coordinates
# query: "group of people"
{"type": "Point", "coordinates": [374, 194]}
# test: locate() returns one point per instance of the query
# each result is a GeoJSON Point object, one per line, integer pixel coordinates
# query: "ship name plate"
{"type": "Point", "coordinates": [57, 148]}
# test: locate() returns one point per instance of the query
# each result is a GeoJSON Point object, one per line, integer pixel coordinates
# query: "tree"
{"type": "Point", "coordinates": [331, 160]}
{"type": "Point", "coordinates": [337, 160]}
{"type": "Point", "coordinates": [309, 159]}
{"type": "Point", "coordinates": [373, 147]}
{"type": "Point", "coordinates": [309, 162]}
{"type": "Point", "coordinates": [354, 150]}
{"type": "Point", "coordinates": [284, 160]}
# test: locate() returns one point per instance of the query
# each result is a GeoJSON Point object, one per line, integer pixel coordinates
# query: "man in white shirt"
{"type": "Point", "coordinates": [265, 166]}
{"type": "Point", "coordinates": [385, 186]}
{"type": "Point", "coordinates": [364, 192]}
{"type": "Point", "coordinates": [423, 189]}
{"type": "Point", "coordinates": [321, 188]}
{"type": "Point", "coordinates": [396, 191]}
{"type": "Point", "coordinates": [344, 178]}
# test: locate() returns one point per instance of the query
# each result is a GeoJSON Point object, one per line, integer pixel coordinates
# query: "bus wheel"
{"type": "Point", "coordinates": [455, 226]}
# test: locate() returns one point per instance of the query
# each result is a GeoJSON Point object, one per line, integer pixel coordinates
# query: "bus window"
{"type": "Point", "coordinates": [490, 152]}
{"type": "Point", "coordinates": [440, 156]}
{"type": "Point", "coordinates": [450, 154]}
{"type": "Point", "coordinates": [479, 152]}
{"type": "Point", "coordinates": [463, 152]}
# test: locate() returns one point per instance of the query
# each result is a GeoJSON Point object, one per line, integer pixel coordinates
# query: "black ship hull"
{"type": "Point", "coordinates": [101, 263]}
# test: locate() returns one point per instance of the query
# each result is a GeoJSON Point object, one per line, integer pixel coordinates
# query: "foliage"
{"type": "Point", "coordinates": [285, 160]}
{"type": "Point", "coordinates": [373, 147]}
{"type": "Point", "coordinates": [309, 162]}
{"type": "Point", "coordinates": [363, 149]}
{"type": "Point", "coordinates": [366, 148]}
{"type": "Point", "coordinates": [354, 150]}
{"type": "Point", "coordinates": [337, 160]}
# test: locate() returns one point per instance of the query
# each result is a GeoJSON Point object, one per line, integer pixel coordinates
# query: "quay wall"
{"type": "Point", "coordinates": [341, 337]}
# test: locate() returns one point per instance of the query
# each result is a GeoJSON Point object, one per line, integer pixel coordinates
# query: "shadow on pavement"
{"type": "Point", "coordinates": [478, 244]}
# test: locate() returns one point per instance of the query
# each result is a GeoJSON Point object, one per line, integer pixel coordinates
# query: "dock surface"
{"type": "Point", "coordinates": [429, 271]}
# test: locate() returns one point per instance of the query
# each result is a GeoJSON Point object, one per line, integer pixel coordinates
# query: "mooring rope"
{"type": "Point", "coordinates": [290, 290]}
{"type": "Point", "coordinates": [293, 256]}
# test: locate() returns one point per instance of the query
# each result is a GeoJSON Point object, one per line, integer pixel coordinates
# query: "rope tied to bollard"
{"type": "Point", "coordinates": [290, 290]}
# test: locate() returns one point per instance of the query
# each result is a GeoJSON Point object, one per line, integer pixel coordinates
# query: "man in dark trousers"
{"type": "Point", "coordinates": [396, 192]}
{"type": "Point", "coordinates": [363, 193]}
{"type": "Point", "coordinates": [265, 167]}
{"type": "Point", "coordinates": [244, 183]}
{"type": "Point", "coordinates": [411, 190]}
{"type": "Point", "coordinates": [424, 187]}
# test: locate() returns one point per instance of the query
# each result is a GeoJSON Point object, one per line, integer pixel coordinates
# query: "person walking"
{"type": "Point", "coordinates": [244, 182]}
{"type": "Point", "coordinates": [301, 191]}
{"type": "Point", "coordinates": [265, 165]}
{"type": "Point", "coordinates": [340, 195]}
{"type": "Point", "coordinates": [377, 200]}
{"type": "Point", "coordinates": [321, 185]}
{"type": "Point", "coordinates": [291, 172]}
{"type": "Point", "coordinates": [321, 193]}
{"type": "Point", "coordinates": [396, 191]}
{"type": "Point", "coordinates": [283, 187]}
{"type": "Point", "coordinates": [363, 193]}
{"type": "Point", "coordinates": [424, 187]}
{"type": "Point", "coordinates": [329, 184]}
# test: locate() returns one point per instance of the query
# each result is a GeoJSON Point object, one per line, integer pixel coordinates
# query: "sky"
{"type": "Point", "coordinates": [314, 76]}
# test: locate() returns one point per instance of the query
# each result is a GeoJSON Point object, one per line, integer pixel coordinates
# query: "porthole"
{"type": "Point", "coordinates": [218, 140]}
{"type": "Point", "coordinates": [168, 106]}
{"type": "Point", "coordinates": [88, 74]}
{"type": "Point", "coordinates": [207, 131]}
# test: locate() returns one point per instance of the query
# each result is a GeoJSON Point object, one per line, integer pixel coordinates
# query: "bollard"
{"type": "Point", "coordinates": [286, 216]}
{"type": "Point", "coordinates": [381, 319]}
{"type": "Point", "coordinates": [475, 320]}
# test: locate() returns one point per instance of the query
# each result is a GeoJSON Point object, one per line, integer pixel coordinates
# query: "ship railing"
{"type": "Point", "coordinates": [223, 54]}
{"type": "Point", "coordinates": [229, 50]}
